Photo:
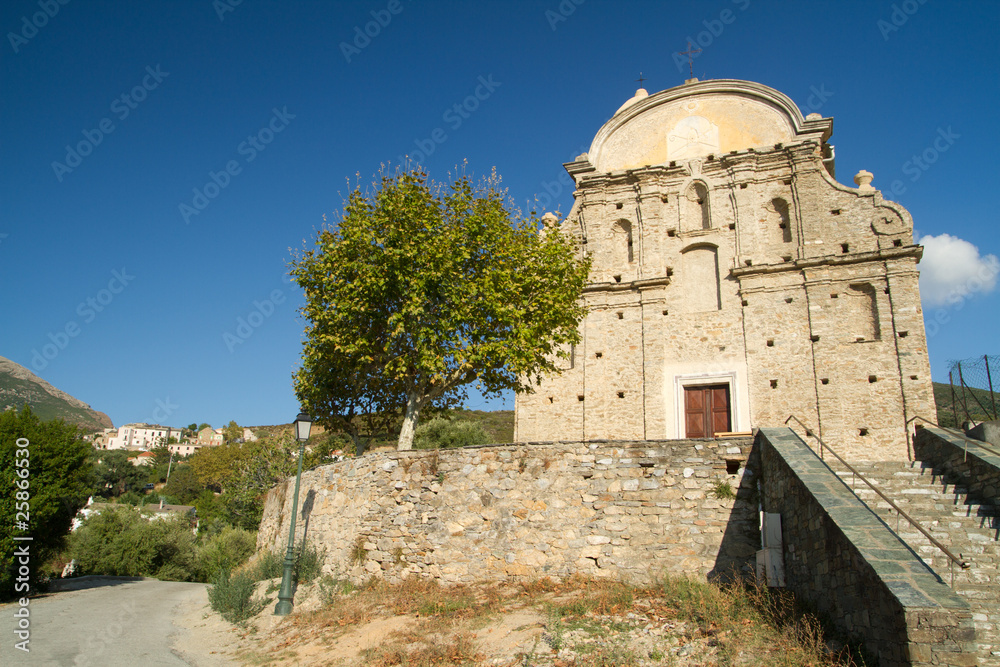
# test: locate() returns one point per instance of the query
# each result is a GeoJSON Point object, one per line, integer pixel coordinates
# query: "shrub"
{"type": "Point", "coordinates": [224, 550]}
{"type": "Point", "coordinates": [271, 565]}
{"type": "Point", "coordinates": [121, 541]}
{"type": "Point", "coordinates": [268, 566]}
{"type": "Point", "coordinates": [309, 563]}
{"type": "Point", "coordinates": [232, 596]}
{"type": "Point", "coordinates": [132, 498]}
{"type": "Point", "coordinates": [444, 433]}
{"type": "Point", "coordinates": [723, 490]}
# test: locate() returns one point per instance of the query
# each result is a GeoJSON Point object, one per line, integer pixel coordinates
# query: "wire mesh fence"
{"type": "Point", "coordinates": [974, 386]}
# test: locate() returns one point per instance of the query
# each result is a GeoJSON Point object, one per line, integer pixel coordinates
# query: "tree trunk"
{"type": "Point", "coordinates": [359, 444]}
{"type": "Point", "coordinates": [409, 423]}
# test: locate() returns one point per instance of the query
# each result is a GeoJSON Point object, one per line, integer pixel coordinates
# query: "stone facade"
{"type": "Point", "coordinates": [725, 254]}
{"type": "Point", "coordinates": [631, 510]}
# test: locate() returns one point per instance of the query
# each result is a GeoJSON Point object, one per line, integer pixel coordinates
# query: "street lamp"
{"type": "Point", "coordinates": [303, 424]}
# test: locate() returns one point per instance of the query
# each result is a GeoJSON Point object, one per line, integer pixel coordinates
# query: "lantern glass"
{"type": "Point", "coordinates": [303, 424]}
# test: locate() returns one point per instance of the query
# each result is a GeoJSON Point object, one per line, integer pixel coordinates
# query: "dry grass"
{"type": "Point", "coordinates": [421, 650]}
{"type": "Point", "coordinates": [580, 622]}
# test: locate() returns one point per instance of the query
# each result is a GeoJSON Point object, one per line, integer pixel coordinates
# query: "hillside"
{"type": "Point", "coordinates": [499, 424]}
{"type": "Point", "coordinates": [19, 387]}
{"type": "Point", "coordinates": [945, 412]}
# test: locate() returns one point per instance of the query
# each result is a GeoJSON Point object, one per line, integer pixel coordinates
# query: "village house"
{"type": "Point", "coordinates": [142, 436]}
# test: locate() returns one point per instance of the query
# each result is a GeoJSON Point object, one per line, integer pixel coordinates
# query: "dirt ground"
{"type": "Point", "coordinates": [546, 627]}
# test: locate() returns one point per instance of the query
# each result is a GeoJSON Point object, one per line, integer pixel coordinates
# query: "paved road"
{"type": "Point", "coordinates": [110, 622]}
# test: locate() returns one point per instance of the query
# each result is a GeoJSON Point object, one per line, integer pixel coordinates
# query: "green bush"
{"type": "Point", "coordinates": [271, 565]}
{"type": "Point", "coordinates": [225, 550]}
{"type": "Point", "coordinates": [133, 498]}
{"type": "Point", "coordinates": [233, 596]}
{"type": "Point", "coordinates": [444, 433]}
{"type": "Point", "coordinates": [121, 541]}
{"type": "Point", "coordinates": [268, 566]}
{"type": "Point", "coordinates": [210, 512]}
{"type": "Point", "coordinates": [309, 563]}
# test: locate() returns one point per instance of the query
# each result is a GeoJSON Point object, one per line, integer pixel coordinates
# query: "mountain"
{"type": "Point", "coordinates": [19, 387]}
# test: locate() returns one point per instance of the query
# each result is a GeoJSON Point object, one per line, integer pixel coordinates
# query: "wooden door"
{"type": "Point", "coordinates": [706, 410]}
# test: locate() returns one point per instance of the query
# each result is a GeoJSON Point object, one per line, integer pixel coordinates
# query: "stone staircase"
{"type": "Point", "coordinates": [968, 528]}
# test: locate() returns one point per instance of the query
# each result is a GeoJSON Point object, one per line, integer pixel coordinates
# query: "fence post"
{"type": "Point", "coordinates": [989, 378]}
{"type": "Point", "coordinates": [954, 406]}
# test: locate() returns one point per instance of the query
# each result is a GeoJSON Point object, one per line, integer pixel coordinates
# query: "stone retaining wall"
{"type": "Point", "coordinates": [962, 457]}
{"type": "Point", "coordinates": [840, 557]}
{"type": "Point", "coordinates": [626, 509]}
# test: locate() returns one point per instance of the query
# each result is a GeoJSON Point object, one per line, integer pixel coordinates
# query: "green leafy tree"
{"type": "Point", "coordinates": [193, 428]}
{"type": "Point", "coordinates": [320, 448]}
{"type": "Point", "coordinates": [423, 289]}
{"type": "Point", "coordinates": [244, 473]}
{"type": "Point", "coordinates": [211, 512]}
{"type": "Point", "coordinates": [216, 465]}
{"type": "Point", "coordinates": [183, 487]}
{"type": "Point", "coordinates": [157, 470]}
{"type": "Point", "coordinates": [115, 474]}
{"type": "Point", "coordinates": [58, 483]}
{"type": "Point", "coordinates": [203, 425]}
{"type": "Point", "coordinates": [161, 455]}
{"type": "Point", "coordinates": [265, 463]}
{"type": "Point", "coordinates": [232, 432]}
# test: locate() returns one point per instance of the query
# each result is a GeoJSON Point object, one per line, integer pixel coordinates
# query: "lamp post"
{"type": "Point", "coordinates": [303, 424]}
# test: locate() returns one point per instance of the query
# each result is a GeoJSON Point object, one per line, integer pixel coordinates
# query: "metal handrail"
{"type": "Point", "coordinates": [952, 557]}
{"type": "Point", "coordinates": [967, 439]}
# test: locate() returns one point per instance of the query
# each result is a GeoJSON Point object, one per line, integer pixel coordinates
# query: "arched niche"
{"type": "Point", "coordinates": [780, 226]}
{"type": "Point", "coordinates": [624, 243]}
{"type": "Point", "coordinates": [696, 207]}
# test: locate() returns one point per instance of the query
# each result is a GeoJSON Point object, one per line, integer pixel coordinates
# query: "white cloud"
{"type": "Point", "coordinates": [952, 270]}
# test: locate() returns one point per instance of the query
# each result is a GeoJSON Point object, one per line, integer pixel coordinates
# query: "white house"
{"type": "Point", "coordinates": [143, 436]}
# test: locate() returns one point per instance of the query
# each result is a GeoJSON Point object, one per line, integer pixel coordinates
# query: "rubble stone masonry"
{"type": "Point", "coordinates": [632, 510]}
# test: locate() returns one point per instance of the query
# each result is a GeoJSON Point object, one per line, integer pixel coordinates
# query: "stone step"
{"type": "Point", "coordinates": [930, 505]}
{"type": "Point", "coordinates": [977, 591]}
{"type": "Point", "coordinates": [983, 527]}
{"type": "Point", "coordinates": [987, 525]}
{"type": "Point", "coordinates": [920, 498]}
{"type": "Point", "coordinates": [968, 528]}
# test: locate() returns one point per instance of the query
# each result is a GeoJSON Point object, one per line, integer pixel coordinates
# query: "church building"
{"type": "Point", "coordinates": [735, 282]}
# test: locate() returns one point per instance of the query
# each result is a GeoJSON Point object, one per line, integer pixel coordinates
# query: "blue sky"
{"type": "Point", "coordinates": [210, 138]}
